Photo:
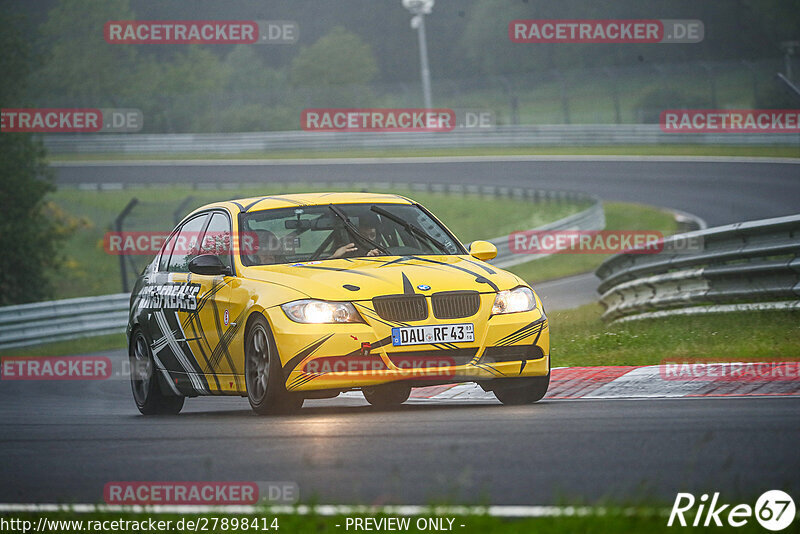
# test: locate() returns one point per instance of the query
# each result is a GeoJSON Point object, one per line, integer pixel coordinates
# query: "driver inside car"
{"type": "Point", "coordinates": [368, 226]}
{"type": "Point", "coordinates": [266, 248]}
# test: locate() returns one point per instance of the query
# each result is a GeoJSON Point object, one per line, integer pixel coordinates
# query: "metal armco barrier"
{"type": "Point", "coordinates": [503, 136]}
{"type": "Point", "coordinates": [593, 218]}
{"type": "Point", "coordinates": [743, 266]}
{"type": "Point", "coordinates": [44, 322]}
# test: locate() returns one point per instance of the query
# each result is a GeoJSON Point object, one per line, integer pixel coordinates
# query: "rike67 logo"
{"type": "Point", "coordinates": [774, 510]}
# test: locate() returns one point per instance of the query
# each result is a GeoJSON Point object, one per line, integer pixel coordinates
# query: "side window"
{"type": "Point", "coordinates": [186, 244]}
{"type": "Point", "coordinates": [217, 239]}
{"type": "Point", "coordinates": [163, 262]}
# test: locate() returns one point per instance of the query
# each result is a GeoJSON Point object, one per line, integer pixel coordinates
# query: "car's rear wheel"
{"type": "Point", "coordinates": [387, 395]}
{"type": "Point", "coordinates": [264, 379]}
{"type": "Point", "coordinates": [144, 381]}
{"type": "Point", "coordinates": [516, 391]}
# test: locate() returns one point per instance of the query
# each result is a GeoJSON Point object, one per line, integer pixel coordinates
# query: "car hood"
{"type": "Point", "coordinates": [364, 278]}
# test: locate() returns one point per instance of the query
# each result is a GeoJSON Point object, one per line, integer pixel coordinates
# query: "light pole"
{"type": "Point", "coordinates": [789, 48]}
{"type": "Point", "coordinates": [420, 8]}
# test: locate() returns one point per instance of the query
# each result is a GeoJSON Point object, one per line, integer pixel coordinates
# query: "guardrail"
{"type": "Point", "coordinates": [44, 322]}
{"type": "Point", "coordinates": [593, 218]}
{"type": "Point", "coordinates": [504, 136]}
{"type": "Point", "coordinates": [750, 265]}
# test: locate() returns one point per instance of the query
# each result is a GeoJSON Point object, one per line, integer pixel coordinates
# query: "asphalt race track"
{"type": "Point", "coordinates": [62, 441]}
{"type": "Point", "coordinates": [719, 192]}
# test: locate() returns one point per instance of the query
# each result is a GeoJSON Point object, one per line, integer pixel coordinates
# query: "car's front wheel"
{"type": "Point", "coordinates": [144, 382]}
{"type": "Point", "coordinates": [266, 389]}
{"type": "Point", "coordinates": [387, 395]}
{"type": "Point", "coordinates": [516, 391]}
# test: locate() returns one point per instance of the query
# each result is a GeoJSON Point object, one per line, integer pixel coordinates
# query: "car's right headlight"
{"type": "Point", "coordinates": [321, 311]}
{"type": "Point", "coordinates": [515, 300]}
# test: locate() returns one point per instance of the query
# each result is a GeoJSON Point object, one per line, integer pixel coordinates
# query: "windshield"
{"type": "Point", "coordinates": [289, 235]}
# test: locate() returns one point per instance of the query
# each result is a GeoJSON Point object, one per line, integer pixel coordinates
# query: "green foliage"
{"type": "Point", "coordinates": [332, 66]}
{"type": "Point", "coordinates": [657, 99]}
{"type": "Point", "coordinates": [338, 58]}
{"type": "Point", "coordinates": [82, 69]}
{"type": "Point", "coordinates": [28, 233]}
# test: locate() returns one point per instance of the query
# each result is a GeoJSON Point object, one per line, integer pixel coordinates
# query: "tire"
{"type": "Point", "coordinates": [517, 391]}
{"type": "Point", "coordinates": [387, 395]}
{"type": "Point", "coordinates": [266, 388]}
{"type": "Point", "coordinates": [147, 394]}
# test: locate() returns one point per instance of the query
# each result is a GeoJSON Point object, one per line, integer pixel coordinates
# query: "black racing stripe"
{"type": "Point", "coordinates": [187, 350]}
{"type": "Point", "coordinates": [520, 336]}
{"type": "Point", "coordinates": [491, 370]}
{"type": "Point", "coordinates": [337, 269]}
{"type": "Point", "coordinates": [398, 260]}
{"type": "Point", "coordinates": [241, 208]}
{"type": "Point", "coordinates": [408, 287]}
{"type": "Point", "coordinates": [372, 314]}
{"type": "Point", "coordinates": [482, 266]}
{"type": "Point", "coordinates": [478, 278]}
{"type": "Point", "coordinates": [514, 333]}
{"type": "Point", "coordinates": [200, 337]}
{"type": "Point", "coordinates": [221, 336]}
{"type": "Point", "coordinates": [300, 356]}
{"type": "Point", "coordinates": [295, 202]}
{"type": "Point", "coordinates": [225, 341]}
{"type": "Point", "coordinates": [303, 379]}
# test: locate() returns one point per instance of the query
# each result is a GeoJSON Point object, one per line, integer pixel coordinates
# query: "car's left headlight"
{"type": "Point", "coordinates": [321, 311]}
{"type": "Point", "coordinates": [515, 300]}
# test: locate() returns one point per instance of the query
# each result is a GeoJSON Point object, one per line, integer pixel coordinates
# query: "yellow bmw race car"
{"type": "Point", "coordinates": [289, 297]}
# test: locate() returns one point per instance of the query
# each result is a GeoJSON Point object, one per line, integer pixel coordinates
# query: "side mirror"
{"type": "Point", "coordinates": [209, 265]}
{"type": "Point", "coordinates": [482, 250]}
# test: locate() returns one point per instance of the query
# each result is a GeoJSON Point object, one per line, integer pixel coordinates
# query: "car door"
{"type": "Point", "coordinates": [214, 325]}
{"type": "Point", "coordinates": [173, 300]}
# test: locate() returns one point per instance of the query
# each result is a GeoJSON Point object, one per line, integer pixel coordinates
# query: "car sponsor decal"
{"type": "Point", "coordinates": [171, 296]}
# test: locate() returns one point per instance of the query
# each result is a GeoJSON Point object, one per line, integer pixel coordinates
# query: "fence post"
{"type": "Point", "coordinates": [118, 228]}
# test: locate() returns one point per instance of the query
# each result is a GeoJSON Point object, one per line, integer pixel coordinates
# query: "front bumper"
{"type": "Point", "coordinates": [347, 356]}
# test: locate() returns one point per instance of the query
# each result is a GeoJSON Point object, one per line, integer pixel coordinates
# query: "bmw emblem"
{"type": "Point", "coordinates": [423, 287]}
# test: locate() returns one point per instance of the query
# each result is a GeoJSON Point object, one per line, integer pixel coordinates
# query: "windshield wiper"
{"type": "Point", "coordinates": [409, 227]}
{"type": "Point", "coordinates": [353, 230]}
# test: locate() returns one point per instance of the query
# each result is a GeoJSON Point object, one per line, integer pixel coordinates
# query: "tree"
{"type": "Point", "coordinates": [336, 69]}
{"type": "Point", "coordinates": [29, 235]}
{"type": "Point", "coordinates": [83, 70]}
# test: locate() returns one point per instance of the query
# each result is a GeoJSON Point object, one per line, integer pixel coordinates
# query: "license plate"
{"type": "Point", "coordinates": [440, 333]}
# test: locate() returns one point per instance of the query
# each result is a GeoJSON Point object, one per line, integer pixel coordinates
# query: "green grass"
{"type": "Point", "coordinates": [628, 150]}
{"type": "Point", "coordinates": [619, 216]}
{"type": "Point", "coordinates": [579, 338]}
{"type": "Point", "coordinates": [89, 270]}
{"type": "Point", "coordinates": [71, 347]}
{"type": "Point", "coordinates": [614, 521]}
